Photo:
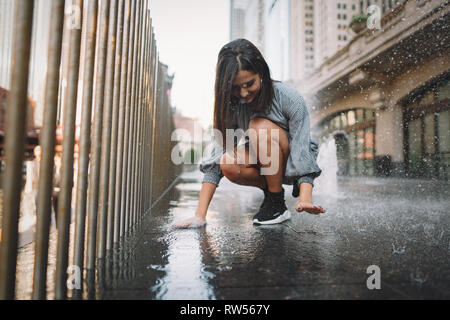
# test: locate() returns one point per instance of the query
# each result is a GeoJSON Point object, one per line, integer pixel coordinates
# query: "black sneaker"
{"type": "Point", "coordinates": [264, 204]}
{"type": "Point", "coordinates": [295, 189]}
{"type": "Point", "coordinates": [275, 211]}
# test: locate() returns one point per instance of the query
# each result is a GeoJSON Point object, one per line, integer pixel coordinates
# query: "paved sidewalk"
{"type": "Point", "coordinates": [400, 225]}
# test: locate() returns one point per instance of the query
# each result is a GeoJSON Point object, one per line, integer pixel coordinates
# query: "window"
{"type": "Point", "coordinates": [427, 125]}
{"type": "Point", "coordinates": [356, 148]}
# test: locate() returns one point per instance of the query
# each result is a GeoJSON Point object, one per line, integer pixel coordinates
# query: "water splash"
{"type": "Point", "coordinates": [418, 278]}
{"type": "Point", "coordinates": [326, 183]}
{"type": "Point", "coordinates": [398, 250]}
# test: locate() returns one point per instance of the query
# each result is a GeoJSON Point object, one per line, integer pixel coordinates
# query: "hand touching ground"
{"type": "Point", "coordinates": [192, 222]}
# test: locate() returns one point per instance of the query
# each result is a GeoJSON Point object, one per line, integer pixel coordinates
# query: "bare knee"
{"type": "Point", "coordinates": [264, 129]}
{"type": "Point", "coordinates": [228, 167]}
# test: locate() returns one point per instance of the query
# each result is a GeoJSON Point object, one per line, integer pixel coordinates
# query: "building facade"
{"type": "Point", "coordinates": [266, 23]}
{"type": "Point", "coordinates": [295, 37]}
{"type": "Point", "coordinates": [385, 96]}
{"type": "Point", "coordinates": [382, 93]}
{"type": "Point", "coordinates": [331, 27]}
{"type": "Point", "coordinates": [237, 18]}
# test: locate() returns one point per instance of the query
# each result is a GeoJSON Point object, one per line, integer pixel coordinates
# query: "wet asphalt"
{"type": "Point", "coordinates": [401, 226]}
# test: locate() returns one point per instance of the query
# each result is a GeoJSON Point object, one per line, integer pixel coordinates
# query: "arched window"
{"type": "Point", "coordinates": [354, 133]}
{"type": "Point", "coordinates": [427, 132]}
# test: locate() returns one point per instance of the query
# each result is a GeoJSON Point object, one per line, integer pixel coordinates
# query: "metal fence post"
{"type": "Point", "coordinates": [118, 212]}
{"type": "Point", "coordinates": [112, 222]}
{"type": "Point", "coordinates": [65, 196]}
{"type": "Point", "coordinates": [106, 131]}
{"type": "Point", "coordinates": [128, 118]}
{"type": "Point", "coordinates": [15, 145]}
{"type": "Point", "coordinates": [85, 139]}
{"type": "Point", "coordinates": [121, 173]}
{"type": "Point", "coordinates": [47, 142]}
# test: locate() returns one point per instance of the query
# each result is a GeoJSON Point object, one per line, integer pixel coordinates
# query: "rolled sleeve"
{"type": "Point", "coordinates": [211, 165]}
{"type": "Point", "coordinates": [308, 178]}
{"type": "Point", "coordinates": [301, 164]}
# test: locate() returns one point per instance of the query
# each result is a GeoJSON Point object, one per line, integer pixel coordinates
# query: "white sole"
{"type": "Point", "coordinates": [285, 216]}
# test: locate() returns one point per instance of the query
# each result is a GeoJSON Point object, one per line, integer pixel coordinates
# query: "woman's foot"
{"type": "Point", "coordinates": [190, 223]}
{"type": "Point", "coordinates": [309, 207]}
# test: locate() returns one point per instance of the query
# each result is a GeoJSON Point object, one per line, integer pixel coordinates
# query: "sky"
{"type": "Point", "coordinates": [189, 35]}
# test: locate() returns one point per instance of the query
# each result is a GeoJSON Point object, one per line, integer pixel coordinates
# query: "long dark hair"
{"type": "Point", "coordinates": [240, 54]}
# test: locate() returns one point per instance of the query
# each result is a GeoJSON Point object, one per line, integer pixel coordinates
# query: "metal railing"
{"type": "Point", "coordinates": [123, 157]}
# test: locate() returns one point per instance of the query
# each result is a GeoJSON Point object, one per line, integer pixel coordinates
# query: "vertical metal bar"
{"type": "Point", "coordinates": [85, 138]}
{"type": "Point", "coordinates": [152, 119]}
{"type": "Point", "coordinates": [147, 112]}
{"type": "Point", "coordinates": [65, 195]}
{"type": "Point", "coordinates": [112, 222]}
{"type": "Point", "coordinates": [15, 145]}
{"type": "Point", "coordinates": [65, 61]}
{"type": "Point", "coordinates": [154, 130]}
{"type": "Point", "coordinates": [125, 191]}
{"type": "Point", "coordinates": [137, 121]}
{"type": "Point", "coordinates": [138, 106]}
{"type": "Point", "coordinates": [158, 129]}
{"type": "Point", "coordinates": [106, 133]}
{"type": "Point", "coordinates": [118, 226]}
{"type": "Point", "coordinates": [94, 172]}
{"type": "Point", "coordinates": [47, 142]}
{"type": "Point", "coordinates": [142, 100]}
{"type": "Point", "coordinates": [131, 141]}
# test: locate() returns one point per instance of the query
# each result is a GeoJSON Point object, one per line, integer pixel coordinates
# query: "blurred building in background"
{"type": "Point", "coordinates": [32, 133]}
{"type": "Point", "coordinates": [237, 19]}
{"type": "Point", "coordinates": [189, 137]}
{"type": "Point", "coordinates": [330, 31]}
{"type": "Point", "coordinates": [381, 91]}
{"type": "Point", "coordinates": [38, 58]}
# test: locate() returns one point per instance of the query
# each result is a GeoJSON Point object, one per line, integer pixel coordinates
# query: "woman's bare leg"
{"type": "Point", "coordinates": [241, 167]}
{"type": "Point", "coordinates": [270, 143]}
{"type": "Point", "coordinates": [237, 167]}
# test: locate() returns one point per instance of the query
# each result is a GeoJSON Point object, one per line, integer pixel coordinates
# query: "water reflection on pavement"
{"type": "Point", "coordinates": [400, 225]}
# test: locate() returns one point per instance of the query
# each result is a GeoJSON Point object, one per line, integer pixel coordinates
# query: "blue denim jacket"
{"type": "Point", "coordinates": [290, 113]}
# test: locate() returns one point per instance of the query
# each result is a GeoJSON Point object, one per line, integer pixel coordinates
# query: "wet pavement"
{"type": "Point", "coordinates": [400, 225]}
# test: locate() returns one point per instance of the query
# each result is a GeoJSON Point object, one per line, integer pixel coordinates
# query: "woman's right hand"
{"type": "Point", "coordinates": [192, 222]}
{"type": "Point", "coordinates": [199, 219]}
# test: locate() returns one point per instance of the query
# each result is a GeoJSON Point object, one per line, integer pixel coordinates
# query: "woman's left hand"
{"type": "Point", "coordinates": [308, 207]}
